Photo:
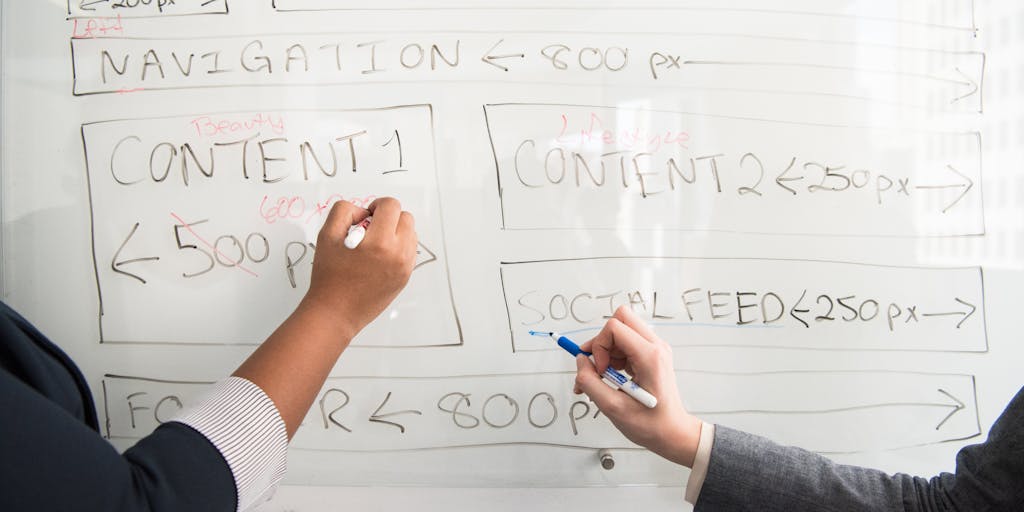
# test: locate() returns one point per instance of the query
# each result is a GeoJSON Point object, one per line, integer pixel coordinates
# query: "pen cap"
{"type": "Point", "coordinates": [640, 394]}
{"type": "Point", "coordinates": [571, 347]}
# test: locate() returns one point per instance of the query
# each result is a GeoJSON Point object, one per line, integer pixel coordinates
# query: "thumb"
{"type": "Point", "coordinates": [588, 381]}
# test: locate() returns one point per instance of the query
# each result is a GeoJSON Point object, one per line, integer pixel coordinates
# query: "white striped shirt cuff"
{"type": "Point", "coordinates": [699, 471]}
{"type": "Point", "coordinates": [243, 423]}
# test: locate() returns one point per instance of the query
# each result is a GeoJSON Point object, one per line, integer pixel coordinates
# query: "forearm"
{"type": "Point", "coordinates": [293, 363]}
{"type": "Point", "coordinates": [343, 297]}
{"type": "Point", "coordinates": [745, 470]}
{"type": "Point", "coordinates": [748, 471]}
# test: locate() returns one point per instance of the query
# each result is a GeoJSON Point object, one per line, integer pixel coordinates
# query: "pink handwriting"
{"type": "Point", "coordinates": [207, 126]}
{"type": "Point", "coordinates": [97, 27]}
{"type": "Point", "coordinates": [297, 207]}
{"type": "Point", "coordinates": [627, 138]}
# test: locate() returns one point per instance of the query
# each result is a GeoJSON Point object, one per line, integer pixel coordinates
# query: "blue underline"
{"type": "Point", "coordinates": [688, 324]}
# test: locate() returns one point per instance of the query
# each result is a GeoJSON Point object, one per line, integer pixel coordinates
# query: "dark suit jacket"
{"type": "Point", "coordinates": [52, 456]}
{"type": "Point", "coordinates": [747, 472]}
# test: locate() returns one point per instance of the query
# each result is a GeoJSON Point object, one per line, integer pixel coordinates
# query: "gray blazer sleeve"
{"type": "Point", "coordinates": [746, 472]}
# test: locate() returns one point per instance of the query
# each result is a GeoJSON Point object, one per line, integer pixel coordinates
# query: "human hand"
{"type": "Point", "coordinates": [626, 343]}
{"type": "Point", "coordinates": [353, 286]}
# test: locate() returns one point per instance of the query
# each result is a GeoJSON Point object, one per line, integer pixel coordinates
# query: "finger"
{"type": "Point", "coordinates": [407, 234]}
{"type": "Point", "coordinates": [618, 340]}
{"type": "Point", "coordinates": [602, 358]}
{"type": "Point", "coordinates": [361, 215]}
{"type": "Point", "coordinates": [613, 357]}
{"type": "Point", "coordinates": [406, 230]}
{"type": "Point", "coordinates": [587, 345]}
{"type": "Point", "coordinates": [341, 217]}
{"type": "Point", "coordinates": [406, 224]}
{"type": "Point", "coordinates": [588, 381]}
{"type": "Point", "coordinates": [385, 211]}
{"type": "Point", "coordinates": [626, 315]}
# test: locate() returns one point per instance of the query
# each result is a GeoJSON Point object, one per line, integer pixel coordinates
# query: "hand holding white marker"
{"type": "Point", "coordinates": [358, 285]}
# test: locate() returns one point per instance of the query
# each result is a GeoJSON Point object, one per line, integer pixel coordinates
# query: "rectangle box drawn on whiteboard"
{"type": "Point", "coordinates": [955, 15]}
{"type": "Point", "coordinates": [144, 9]}
{"type": "Point", "coordinates": [823, 411]}
{"type": "Point", "coordinates": [748, 302]}
{"type": "Point", "coordinates": [784, 67]}
{"type": "Point", "coordinates": [607, 168]}
{"type": "Point", "coordinates": [203, 226]}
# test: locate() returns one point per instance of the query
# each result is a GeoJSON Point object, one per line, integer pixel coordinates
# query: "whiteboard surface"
{"type": "Point", "coordinates": [818, 204]}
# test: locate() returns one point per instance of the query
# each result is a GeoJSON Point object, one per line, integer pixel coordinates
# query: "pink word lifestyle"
{"type": "Point", "coordinates": [634, 139]}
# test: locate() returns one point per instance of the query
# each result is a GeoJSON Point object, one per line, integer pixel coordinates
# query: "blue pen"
{"type": "Point", "coordinates": [611, 375]}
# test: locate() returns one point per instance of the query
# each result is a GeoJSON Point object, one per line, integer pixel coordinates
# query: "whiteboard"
{"type": "Point", "coordinates": [818, 204]}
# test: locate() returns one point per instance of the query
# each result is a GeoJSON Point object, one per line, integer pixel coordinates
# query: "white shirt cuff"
{"type": "Point", "coordinates": [700, 462]}
{"type": "Point", "coordinates": [243, 423]}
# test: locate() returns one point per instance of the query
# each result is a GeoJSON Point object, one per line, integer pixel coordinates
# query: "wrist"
{"type": "Point", "coordinates": [329, 316]}
{"type": "Point", "coordinates": [684, 449]}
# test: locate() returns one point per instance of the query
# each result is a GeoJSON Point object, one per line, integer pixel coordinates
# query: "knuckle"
{"type": "Point", "coordinates": [614, 324]}
{"type": "Point", "coordinates": [340, 206]}
{"type": "Point", "coordinates": [389, 203]}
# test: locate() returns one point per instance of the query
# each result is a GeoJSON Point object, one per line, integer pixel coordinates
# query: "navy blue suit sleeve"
{"type": "Point", "coordinates": [52, 461]}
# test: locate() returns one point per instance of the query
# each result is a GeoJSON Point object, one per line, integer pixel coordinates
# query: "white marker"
{"type": "Point", "coordinates": [356, 233]}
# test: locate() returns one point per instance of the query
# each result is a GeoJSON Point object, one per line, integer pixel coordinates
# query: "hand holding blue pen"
{"type": "Point", "coordinates": [612, 376]}
{"type": "Point", "coordinates": [627, 343]}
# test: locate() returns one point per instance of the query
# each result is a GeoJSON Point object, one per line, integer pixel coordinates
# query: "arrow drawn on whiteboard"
{"type": "Point", "coordinates": [490, 59]}
{"type": "Point", "coordinates": [116, 265]}
{"type": "Point", "coordinates": [970, 82]}
{"type": "Point", "coordinates": [87, 5]}
{"type": "Point", "coordinates": [427, 259]}
{"type": "Point", "coordinates": [376, 417]}
{"type": "Point", "coordinates": [967, 81]}
{"type": "Point", "coordinates": [956, 407]}
{"type": "Point", "coordinates": [959, 406]}
{"type": "Point", "coordinates": [964, 314]}
{"type": "Point", "coordinates": [966, 186]}
{"type": "Point", "coordinates": [833, 67]}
